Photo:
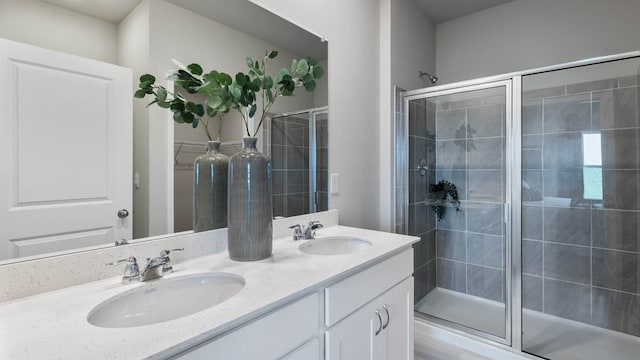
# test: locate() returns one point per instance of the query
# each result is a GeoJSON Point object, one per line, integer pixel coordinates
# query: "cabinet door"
{"type": "Point", "coordinates": [397, 317]}
{"type": "Point", "coordinates": [309, 351]}
{"type": "Point", "coordinates": [354, 338]}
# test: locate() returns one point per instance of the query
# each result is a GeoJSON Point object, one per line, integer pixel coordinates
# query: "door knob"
{"type": "Point", "coordinates": [123, 213]}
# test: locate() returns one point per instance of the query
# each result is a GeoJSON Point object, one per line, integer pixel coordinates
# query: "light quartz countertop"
{"type": "Point", "coordinates": [53, 325]}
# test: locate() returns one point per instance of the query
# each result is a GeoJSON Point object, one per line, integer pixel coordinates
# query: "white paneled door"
{"type": "Point", "coordinates": [65, 151]}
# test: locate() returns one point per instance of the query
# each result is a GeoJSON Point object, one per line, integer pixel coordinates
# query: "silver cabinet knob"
{"type": "Point", "coordinates": [123, 213]}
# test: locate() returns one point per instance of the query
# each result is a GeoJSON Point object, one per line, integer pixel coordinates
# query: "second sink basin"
{"type": "Point", "coordinates": [165, 300]}
{"type": "Point", "coordinates": [334, 245]}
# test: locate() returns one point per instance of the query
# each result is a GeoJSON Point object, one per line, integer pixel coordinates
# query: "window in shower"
{"type": "Point", "coordinates": [299, 155]}
{"type": "Point", "coordinates": [457, 140]}
{"type": "Point", "coordinates": [581, 212]}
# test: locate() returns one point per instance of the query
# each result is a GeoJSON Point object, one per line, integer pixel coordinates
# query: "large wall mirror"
{"type": "Point", "coordinates": [145, 35]}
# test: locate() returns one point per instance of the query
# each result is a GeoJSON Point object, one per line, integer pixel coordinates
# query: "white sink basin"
{"type": "Point", "coordinates": [165, 299]}
{"type": "Point", "coordinates": [334, 245]}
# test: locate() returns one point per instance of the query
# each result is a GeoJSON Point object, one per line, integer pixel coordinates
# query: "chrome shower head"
{"type": "Point", "coordinates": [432, 78]}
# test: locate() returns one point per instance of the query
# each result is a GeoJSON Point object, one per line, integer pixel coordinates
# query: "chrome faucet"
{"type": "Point", "coordinates": [155, 268]}
{"type": "Point", "coordinates": [308, 233]}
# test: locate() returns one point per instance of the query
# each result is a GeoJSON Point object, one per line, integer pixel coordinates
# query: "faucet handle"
{"type": "Point", "coordinates": [131, 270]}
{"type": "Point", "coordinates": [310, 231]}
{"type": "Point", "coordinates": [297, 232]}
{"type": "Point", "coordinates": [164, 254]}
{"type": "Point", "coordinates": [314, 225]}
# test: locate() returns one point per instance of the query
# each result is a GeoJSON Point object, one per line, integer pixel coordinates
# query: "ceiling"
{"type": "Point", "coordinates": [444, 10]}
{"type": "Point", "coordinates": [108, 10]}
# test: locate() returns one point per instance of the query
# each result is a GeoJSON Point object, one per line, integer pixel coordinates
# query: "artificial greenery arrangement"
{"type": "Point", "coordinates": [444, 192]}
{"type": "Point", "coordinates": [224, 93]}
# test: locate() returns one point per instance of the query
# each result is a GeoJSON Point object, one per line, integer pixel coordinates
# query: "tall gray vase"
{"type": "Point", "coordinates": [250, 204]}
{"type": "Point", "coordinates": [210, 189]}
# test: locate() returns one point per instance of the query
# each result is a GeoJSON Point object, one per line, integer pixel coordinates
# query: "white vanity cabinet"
{"type": "Point", "coordinates": [382, 328]}
{"type": "Point", "coordinates": [290, 332]}
{"type": "Point", "coordinates": [368, 315]}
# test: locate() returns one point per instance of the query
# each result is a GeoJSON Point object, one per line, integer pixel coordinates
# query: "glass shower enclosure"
{"type": "Point", "coordinates": [299, 154]}
{"type": "Point", "coordinates": [525, 192]}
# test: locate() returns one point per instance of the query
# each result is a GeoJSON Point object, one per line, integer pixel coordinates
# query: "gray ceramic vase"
{"type": "Point", "coordinates": [250, 204]}
{"type": "Point", "coordinates": [210, 189]}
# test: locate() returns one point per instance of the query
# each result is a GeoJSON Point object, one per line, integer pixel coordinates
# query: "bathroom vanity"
{"type": "Point", "coordinates": [356, 304]}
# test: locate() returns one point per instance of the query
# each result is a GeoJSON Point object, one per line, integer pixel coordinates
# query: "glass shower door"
{"type": "Point", "coordinates": [580, 212]}
{"type": "Point", "coordinates": [458, 193]}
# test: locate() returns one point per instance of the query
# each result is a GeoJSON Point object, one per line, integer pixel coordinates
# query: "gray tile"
{"type": "Point", "coordinates": [449, 124]}
{"type": "Point", "coordinates": [451, 245]}
{"type": "Point", "coordinates": [567, 113]}
{"type": "Point", "coordinates": [297, 181]}
{"type": "Point", "coordinates": [562, 151]}
{"type": "Point", "coordinates": [615, 108]}
{"type": "Point", "coordinates": [322, 136]}
{"type": "Point", "coordinates": [619, 149]}
{"type": "Point", "coordinates": [616, 311]}
{"type": "Point", "coordinates": [567, 300]}
{"type": "Point", "coordinates": [456, 177]}
{"type": "Point", "coordinates": [531, 293]}
{"type": "Point", "coordinates": [297, 158]}
{"type": "Point", "coordinates": [532, 257]}
{"type": "Point", "coordinates": [297, 136]}
{"type": "Point", "coordinates": [495, 99]}
{"type": "Point", "coordinates": [566, 184]}
{"type": "Point", "coordinates": [417, 151]}
{"type": "Point", "coordinates": [277, 132]}
{"type": "Point", "coordinates": [532, 117]}
{"type": "Point", "coordinates": [541, 93]}
{"type": "Point", "coordinates": [451, 154]}
{"type": "Point", "coordinates": [431, 124]}
{"type": "Point", "coordinates": [532, 222]}
{"type": "Point", "coordinates": [590, 86]}
{"type": "Point", "coordinates": [431, 153]}
{"type": "Point", "coordinates": [567, 225]}
{"type": "Point", "coordinates": [417, 186]}
{"type": "Point", "coordinates": [420, 282]}
{"type": "Point", "coordinates": [531, 159]}
{"type": "Point", "coordinates": [278, 157]}
{"type": "Point", "coordinates": [279, 206]}
{"type": "Point", "coordinates": [417, 118]}
{"type": "Point", "coordinates": [616, 229]}
{"type": "Point", "coordinates": [322, 180]}
{"type": "Point", "coordinates": [485, 250]}
{"type": "Point", "coordinates": [485, 218]}
{"type": "Point", "coordinates": [485, 282]}
{"type": "Point", "coordinates": [452, 219]}
{"type": "Point", "coordinates": [485, 185]}
{"type": "Point", "coordinates": [425, 249]}
{"type": "Point", "coordinates": [620, 189]}
{"type": "Point", "coordinates": [485, 121]}
{"type": "Point", "coordinates": [297, 204]}
{"type": "Point", "coordinates": [531, 186]}
{"type": "Point", "coordinates": [278, 182]}
{"type": "Point", "coordinates": [451, 275]}
{"type": "Point", "coordinates": [532, 141]}
{"type": "Point", "coordinates": [485, 153]}
{"type": "Point", "coordinates": [417, 218]}
{"type": "Point", "coordinates": [616, 270]}
{"type": "Point", "coordinates": [567, 262]}
{"type": "Point", "coordinates": [322, 158]}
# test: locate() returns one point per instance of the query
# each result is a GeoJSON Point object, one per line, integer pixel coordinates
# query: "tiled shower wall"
{"type": "Point", "coordinates": [581, 257]}
{"type": "Point", "coordinates": [461, 142]}
{"type": "Point", "coordinates": [290, 164]}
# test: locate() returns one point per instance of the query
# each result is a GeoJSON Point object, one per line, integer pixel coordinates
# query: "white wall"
{"type": "Point", "coordinates": [133, 52]}
{"type": "Point", "coordinates": [407, 45]}
{"type": "Point", "coordinates": [352, 29]}
{"type": "Point", "coordinates": [526, 34]}
{"type": "Point", "coordinates": [41, 24]}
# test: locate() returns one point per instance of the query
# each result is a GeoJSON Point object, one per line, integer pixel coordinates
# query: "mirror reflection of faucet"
{"type": "Point", "coordinates": [422, 167]}
{"type": "Point", "coordinates": [306, 233]}
{"type": "Point", "coordinates": [156, 267]}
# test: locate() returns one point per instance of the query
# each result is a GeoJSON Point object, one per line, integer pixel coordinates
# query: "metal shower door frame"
{"type": "Point", "coordinates": [507, 85]}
